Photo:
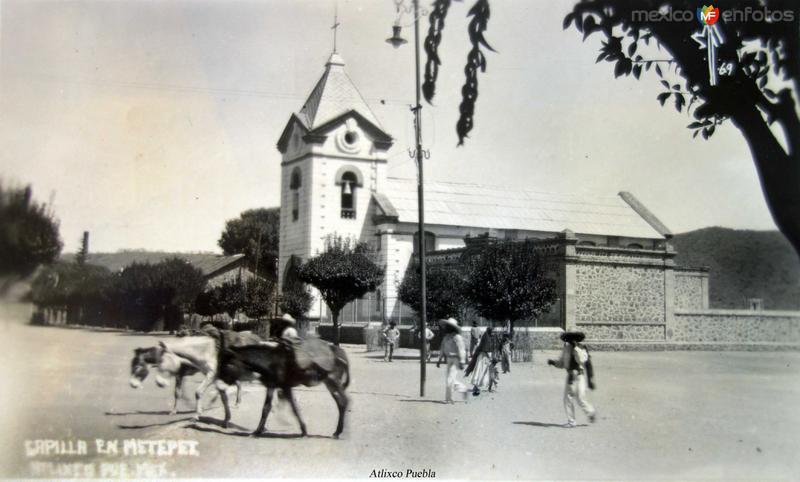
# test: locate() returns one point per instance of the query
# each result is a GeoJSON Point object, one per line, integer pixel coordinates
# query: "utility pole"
{"type": "Point", "coordinates": [423, 349]}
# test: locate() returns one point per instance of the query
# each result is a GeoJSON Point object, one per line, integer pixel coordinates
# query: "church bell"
{"type": "Point", "coordinates": [396, 40]}
{"type": "Point", "coordinates": [347, 189]}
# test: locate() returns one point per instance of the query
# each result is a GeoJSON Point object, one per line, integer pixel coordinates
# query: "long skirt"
{"type": "Point", "coordinates": [480, 376]}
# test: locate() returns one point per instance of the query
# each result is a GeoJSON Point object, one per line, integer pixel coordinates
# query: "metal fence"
{"type": "Point", "coordinates": [374, 308]}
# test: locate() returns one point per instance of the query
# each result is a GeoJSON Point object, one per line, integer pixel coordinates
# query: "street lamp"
{"type": "Point", "coordinates": [396, 41]}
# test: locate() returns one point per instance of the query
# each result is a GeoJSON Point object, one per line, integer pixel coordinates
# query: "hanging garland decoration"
{"type": "Point", "coordinates": [475, 60]}
{"type": "Point", "coordinates": [432, 41]}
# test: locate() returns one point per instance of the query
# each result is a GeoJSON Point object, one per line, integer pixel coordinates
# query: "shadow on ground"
{"type": "Point", "coordinates": [242, 432]}
{"type": "Point", "coordinates": [547, 425]}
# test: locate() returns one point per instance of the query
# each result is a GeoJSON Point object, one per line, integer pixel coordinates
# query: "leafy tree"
{"type": "Point", "coordinates": [259, 297]}
{"type": "Point", "coordinates": [82, 289]}
{"type": "Point", "coordinates": [296, 300]}
{"type": "Point", "coordinates": [342, 273]}
{"type": "Point", "coordinates": [758, 80]}
{"type": "Point", "coordinates": [228, 297]}
{"type": "Point", "coordinates": [151, 292]}
{"type": "Point", "coordinates": [444, 289]}
{"type": "Point", "coordinates": [256, 234]}
{"type": "Point", "coordinates": [505, 282]}
{"type": "Point", "coordinates": [28, 235]}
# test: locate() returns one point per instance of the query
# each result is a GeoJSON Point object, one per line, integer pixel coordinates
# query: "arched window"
{"type": "Point", "coordinates": [349, 183]}
{"type": "Point", "coordinates": [635, 246]}
{"type": "Point", "coordinates": [430, 242]}
{"type": "Point", "coordinates": [295, 184]}
{"type": "Point", "coordinates": [586, 243]}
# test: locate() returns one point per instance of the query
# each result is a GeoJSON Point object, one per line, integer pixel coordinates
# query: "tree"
{"type": "Point", "coordinates": [506, 282]}
{"type": "Point", "coordinates": [228, 297]}
{"type": "Point", "coordinates": [755, 83]}
{"type": "Point", "coordinates": [151, 292]}
{"type": "Point", "coordinates": [82, 289]}
{"type": "Point", "coordinates": [256, 234]}
{"type": "Point", "coordinates": [342, 273]}
{"type": "Point", "coordinates": [444, 290]}
{"type": "Point", "coordinates": [296, 300]}
{"type": "Point", "coordinates": [259, 297]}
{"type": "Point", "coordinates": [28, 235]}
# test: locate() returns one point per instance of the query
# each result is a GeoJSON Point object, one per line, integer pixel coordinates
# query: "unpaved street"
{"type": "Point", "coordinates": [675, 415]}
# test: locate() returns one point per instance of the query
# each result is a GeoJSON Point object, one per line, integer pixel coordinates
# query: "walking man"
{"type": "Point", "coordinates": [390, 337]}
{"type": "Point", "coordinates": [455, 353]}
{"type": "Point", "coordinates": [575, 359]}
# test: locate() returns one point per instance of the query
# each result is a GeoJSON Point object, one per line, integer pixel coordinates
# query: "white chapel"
{"type": "Point", "coordinates": [334, 180]}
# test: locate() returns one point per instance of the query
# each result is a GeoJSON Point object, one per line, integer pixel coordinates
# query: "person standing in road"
{"type": "Point", "coordinates": [575, 359]}
{"type": "Point", "coordinates": [390, 337]}
{"type": "Point", "coordinates": [455, 353]}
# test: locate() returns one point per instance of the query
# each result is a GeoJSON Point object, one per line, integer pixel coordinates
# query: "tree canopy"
{"type": "Point", "coordinates": [444, 289]}
{"type": "Point", "coordinates": [344, 272]}
{"type": "Point", "coordinates": [256, 234]}
{"type": "Point", "coordinates": [28, 234]}
{"type": "Point", "coordinates": [506, 281]}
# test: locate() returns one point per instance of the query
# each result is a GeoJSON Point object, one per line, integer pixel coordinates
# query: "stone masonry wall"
{"type": "Point", "coordinates": [688, 291]}
{"type": "Point", "coordinates": [736, 326]}
{"type": "Point", "coordinates": [622, 332]}
{"type": "Point", "coordinates": [619, 294]}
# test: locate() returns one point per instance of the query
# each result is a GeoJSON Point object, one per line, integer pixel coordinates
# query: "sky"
{"type": "Point", "coordinates": [150, 123]}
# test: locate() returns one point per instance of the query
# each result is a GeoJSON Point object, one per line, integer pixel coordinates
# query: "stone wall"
{"type": "Point", "coordinates": [691, 289]}
{"type": "Point", "coordinates": [623, 331]}
{"type": "Point", "coordinates": [619, 293]}
{"type": "Point", "coordinates": [735, 326]}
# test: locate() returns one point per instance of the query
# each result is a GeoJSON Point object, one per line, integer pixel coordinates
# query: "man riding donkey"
{"type": "Point", "coordinates": [580, 374]}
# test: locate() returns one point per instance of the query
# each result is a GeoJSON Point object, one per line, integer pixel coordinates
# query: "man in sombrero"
{"type": "Point", "coordinates": [454, 353]}
{"type": "Point", "coordinates": [575, 359]}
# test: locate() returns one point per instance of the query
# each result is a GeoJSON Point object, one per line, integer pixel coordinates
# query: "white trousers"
{"type": "Point", "coordinates": [451, 381]}
{"type": "Point", "coordinates": [576, 389]}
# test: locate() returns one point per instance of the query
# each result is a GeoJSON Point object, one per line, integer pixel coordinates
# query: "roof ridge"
{"type": "Point", "coordinates": [506, 188]}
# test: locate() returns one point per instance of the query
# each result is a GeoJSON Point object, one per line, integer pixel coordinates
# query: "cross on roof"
{"type": "Point", "coordinates": [335, 26]}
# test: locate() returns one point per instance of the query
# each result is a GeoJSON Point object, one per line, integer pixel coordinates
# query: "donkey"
{"type": "Point", "coordinates": [286, 365]}
{"type": "Point", "coordinates": [185, 357]}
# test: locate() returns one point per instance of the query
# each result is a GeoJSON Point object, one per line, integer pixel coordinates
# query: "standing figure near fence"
{"type": "Point", "coordinates": [391, 335]}
{"type": "Point", "coordinates": [454, 353]}
{"type": "Point", "coordinates": [505, 352]}
{"type": "Point", "coordinates": [580, 374]}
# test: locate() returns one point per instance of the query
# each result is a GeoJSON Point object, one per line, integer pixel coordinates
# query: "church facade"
{"type": "Point", "coordinates": [609, 254]}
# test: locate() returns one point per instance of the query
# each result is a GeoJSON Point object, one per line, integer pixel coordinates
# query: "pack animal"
{"type": "Point", "coordinates": [186, 357]}
{"type": "Point", "coordinates": [277, 367]}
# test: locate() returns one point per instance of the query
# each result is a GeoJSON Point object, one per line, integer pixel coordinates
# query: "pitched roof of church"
{"type": "Point", "coordinates": [334, 95]}
{"type": "Point", "coordinates": [496, 207]}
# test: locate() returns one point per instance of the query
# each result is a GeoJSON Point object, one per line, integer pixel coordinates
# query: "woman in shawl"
{"type": "Point", "coordinates": [480, 363]}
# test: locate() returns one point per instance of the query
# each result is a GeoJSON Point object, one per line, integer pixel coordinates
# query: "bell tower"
{"type": "Point", "coordinates": [333, 160]}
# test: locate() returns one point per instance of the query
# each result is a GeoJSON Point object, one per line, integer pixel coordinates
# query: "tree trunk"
{"type": "Point", "coordinates": [778, 172]}
{"type": "Point", "coordinates": [336, 334]}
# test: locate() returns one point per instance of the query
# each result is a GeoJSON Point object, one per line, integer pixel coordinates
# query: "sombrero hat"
{"type": "Point", "coordinates": [288, 318]}
{"type": "Point", "coordinates": [449, 321]}
{"type": "Point", "coordinates": [576, 336]}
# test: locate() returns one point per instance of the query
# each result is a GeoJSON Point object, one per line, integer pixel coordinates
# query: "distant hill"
{"type": "Point", "coordinates": [744, 264]}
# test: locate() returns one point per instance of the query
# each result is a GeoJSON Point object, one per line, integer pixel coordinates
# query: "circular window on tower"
{"type": "Point", "coordinates": [348, 140]}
